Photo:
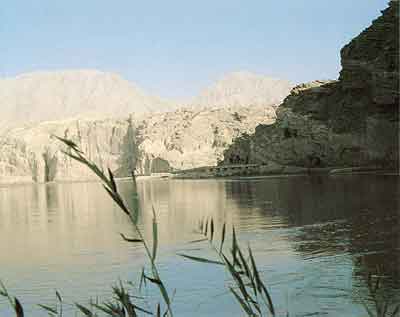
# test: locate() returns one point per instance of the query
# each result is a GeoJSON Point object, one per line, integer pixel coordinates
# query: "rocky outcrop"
{"type": "Point", "coordinates": [353, 121]}
{"type": "Point", "coordinates": [148, 143]}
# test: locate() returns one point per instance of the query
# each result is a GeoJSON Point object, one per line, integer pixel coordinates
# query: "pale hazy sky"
{"type": "Point", "coordinates": [176, 48]}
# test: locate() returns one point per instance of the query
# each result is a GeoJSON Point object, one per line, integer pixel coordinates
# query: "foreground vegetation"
{"type": "Point", "coordinates": [246, 284]}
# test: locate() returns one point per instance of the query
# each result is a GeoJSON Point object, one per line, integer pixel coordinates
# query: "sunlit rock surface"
{"type": "Point", "coordinates": [156, 142]}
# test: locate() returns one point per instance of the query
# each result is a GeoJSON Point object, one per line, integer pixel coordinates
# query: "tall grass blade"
{"type": "Point", "coordinates": [69, 143]}
{"type": "Point", "coordinates": [49, 309]}
{"type": "Point", "coordinates": [84, 310]}
{"type": "Point", "coordinates": [135, 200]}
{"type": "Point", "coordinates": [222, 237]}
{"type": "Point", "coordinates": [247, 271]}
{"type": "Point", "coordinates": [201, 225]}
{"type": "Point", "coordinates": [158, 312]}
{"type": "Point", "coordinates": [106, 309]}
{"type": "Point", "coordinates": [234, 247]}
{"type": "Point", "coordinates": [118, 200]}
{"type": "Point", "coordinates": [59, 297]}
{"type": "Point", "coordinates": [236, 276]}
{"type": "Point", "coordinates": [211, 229]}
{"type": "Point", "coordinates": [269, 299]}
{"type": "Point", "coordinates": [201, 260]}
{"type": "Point", "coordinates": [130, 239]}
{"type": "Point", "coordinates": [142, 280]}
{"type": "Point", "coordinates": [242, 303]}
{"type": "Point", "coordinates": [19, 311]}
{"type": "Point", "coordinates": [255, 271]}
{"type": "Point", "coordinates": [165, 295]}
{"type": "Point", "coordinates": [155, 237]}
{"type": "Point", "coordinates": [199, 240]}
{"type": "Point", "coordinates": [260, 284]}
{"type": "Point", "coordinates": [112, 181]}
{"type": "Point", "coordinates": [156, 280]}
{"type": "Point", "coordinates": [111, 309]}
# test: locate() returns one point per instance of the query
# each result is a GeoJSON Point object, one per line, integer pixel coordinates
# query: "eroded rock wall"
{"type": "Point", "coordinates": [148, 143]}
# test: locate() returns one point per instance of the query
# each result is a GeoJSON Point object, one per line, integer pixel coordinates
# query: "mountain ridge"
{"type": "Point", "coordinates": [88, 93]}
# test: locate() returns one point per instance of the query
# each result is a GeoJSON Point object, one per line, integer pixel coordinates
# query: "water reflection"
{"type": "Point", "coordinates": [342, 218]}
{"type": "Point", "coordinates": [316, 239]}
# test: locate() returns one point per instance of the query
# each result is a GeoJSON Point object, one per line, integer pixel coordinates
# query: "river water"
{"type": "Point", "coordinates": [315, 239]}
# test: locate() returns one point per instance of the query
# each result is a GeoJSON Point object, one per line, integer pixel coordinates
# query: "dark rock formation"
{"type": "Point", "coordinates": [350, 122]}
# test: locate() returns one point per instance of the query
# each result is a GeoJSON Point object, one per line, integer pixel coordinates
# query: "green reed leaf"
{"type": "Point", "coordinates": [112, 181]}
{"type": "Point", "coordinates": [199, 240]}
{"type": "Point", "coordinates": [201, 260]}
{"type": "Point", "coordinates": [222, 237]}
{"type": "Point", "coordinates": [48, 309]}
{"type": "Point", "coordinates": [84, 310]}
{"type": "Point", "coordinates": [242, 303]}
{"type": "Point", "coordinates": [155, 236]}
{"type": "Point", "coordinates": [19, 311]}
{"type": "Point", "coordinates": [211, 229]}
{"type": "Point", "coordinates": [130, 239]}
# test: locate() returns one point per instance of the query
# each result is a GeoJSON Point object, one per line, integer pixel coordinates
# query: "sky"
{"type": "Point", "coordinates": [176, 48]}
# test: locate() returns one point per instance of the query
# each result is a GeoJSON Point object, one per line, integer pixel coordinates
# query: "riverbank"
{"type": "Point", "coordinates": [239, 171]}
{"type": "Point", "coordinates": [273, 169]}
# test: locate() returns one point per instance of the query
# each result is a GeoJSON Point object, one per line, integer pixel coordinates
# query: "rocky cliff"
{"type": "Point", "coordinates": [156, 142]}
{"type": "Point", "coordinates": [353, 121]}
{"type": "Point", "coordinates": [31, 154]}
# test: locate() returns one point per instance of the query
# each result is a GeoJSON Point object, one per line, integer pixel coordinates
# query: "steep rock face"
{"type": "Point", "coordinates": [189, 138]}
{"type": "Point", "coordinates": [32, 154]}
{"type": "Point", "coordinates": [350, 122]}
{"type": "Point", "coordinates": [371, 60]}
{"type": "Point", "coordinates": [148, 143]}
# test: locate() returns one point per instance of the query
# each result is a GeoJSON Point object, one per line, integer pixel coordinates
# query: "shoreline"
{"type": "Point", "coordinates": [200, 176]}
{"type": "Point", "coordinates": [273, 170]}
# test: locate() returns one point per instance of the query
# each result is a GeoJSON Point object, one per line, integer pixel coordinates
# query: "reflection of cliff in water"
{"type": "Point", "coordinates": [356, 216]}
{"type": "Point", "coordinates": [310, 200]}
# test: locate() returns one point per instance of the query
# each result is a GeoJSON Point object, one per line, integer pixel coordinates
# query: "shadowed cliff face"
{"type": "Point", "coordinates": [349, 122]}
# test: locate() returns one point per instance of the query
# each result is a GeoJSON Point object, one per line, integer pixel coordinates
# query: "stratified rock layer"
{"type": "Point", "coordinates": [350, 122]}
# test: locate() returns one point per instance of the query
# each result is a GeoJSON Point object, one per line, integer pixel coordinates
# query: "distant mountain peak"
{"type": "Point", "coordinates": [54, 95]}
{"type": "Point", "coordinates": [243, 88]}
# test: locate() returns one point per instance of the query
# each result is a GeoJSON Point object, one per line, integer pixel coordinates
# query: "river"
{"type": "Point", "coordinates": [315, 239]}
